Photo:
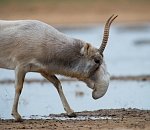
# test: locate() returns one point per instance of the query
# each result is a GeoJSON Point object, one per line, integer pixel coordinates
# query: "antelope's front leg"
{"type": "Point", "coordinates": [19, 79]}
{"type": "Point", "coordinates": [53, 79]}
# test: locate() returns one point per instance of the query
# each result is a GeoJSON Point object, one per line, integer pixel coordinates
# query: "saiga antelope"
{"type": "Point", "coordinates": [34, 46]}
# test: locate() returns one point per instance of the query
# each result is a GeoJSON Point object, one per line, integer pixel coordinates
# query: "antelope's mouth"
{"type": "Point", "coordinates": [95, 94]}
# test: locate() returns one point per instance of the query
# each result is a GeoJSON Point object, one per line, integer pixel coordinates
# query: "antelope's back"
{"type": "Point", "coordinates": [21, 40]}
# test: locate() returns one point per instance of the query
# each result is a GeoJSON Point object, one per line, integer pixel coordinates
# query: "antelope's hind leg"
{"type": "Point", "coordinates": [19, 79]}
{"type": "Point", "coordinates": [53, 79]}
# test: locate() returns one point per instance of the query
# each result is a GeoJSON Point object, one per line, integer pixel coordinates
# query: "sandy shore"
{"type": "Point", "coordinates": [119, 119]}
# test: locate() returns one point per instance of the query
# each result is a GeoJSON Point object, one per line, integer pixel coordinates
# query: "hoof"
{"type": "Point", "coordinates": [19, 120]}
{"type": "Point", "coordinates": [72, 115]}
{"type": "Point", "coordinates": [17, 117]}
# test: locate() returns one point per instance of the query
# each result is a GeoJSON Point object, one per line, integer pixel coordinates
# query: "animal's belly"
{"type": "Point", "coordinates": [7, 63]}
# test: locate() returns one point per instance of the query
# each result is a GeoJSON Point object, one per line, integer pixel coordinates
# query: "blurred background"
{"type": "Point", "coordinates": [75, 11]}
{"type": "Point", "coordinates": [127, 55]}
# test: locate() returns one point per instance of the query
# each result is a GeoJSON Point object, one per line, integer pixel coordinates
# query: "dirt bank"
{"type": "Point", "coordinates": [119, 119]}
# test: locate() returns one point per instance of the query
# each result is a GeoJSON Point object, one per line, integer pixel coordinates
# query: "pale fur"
{"type": "Point", "coordinates": [34, 46]}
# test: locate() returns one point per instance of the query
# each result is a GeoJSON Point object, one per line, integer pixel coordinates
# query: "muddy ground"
{"type": "Point", "coordinates": [118, 119]}
{"type": "Point", "coordinates": [123, 78]}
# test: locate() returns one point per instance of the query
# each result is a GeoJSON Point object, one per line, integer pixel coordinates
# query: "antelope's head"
{"type": "Point", "coordinates": [98, 77]}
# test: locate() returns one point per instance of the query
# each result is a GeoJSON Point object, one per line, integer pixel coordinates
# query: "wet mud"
{"type": "Point", "coordinates": [112, 119]}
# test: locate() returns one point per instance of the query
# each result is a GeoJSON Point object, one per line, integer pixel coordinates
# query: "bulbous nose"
{"type": "Point", "coordinates": [97, 95]}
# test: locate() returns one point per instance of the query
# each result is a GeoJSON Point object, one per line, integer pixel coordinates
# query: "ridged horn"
{"type": "Point", "coordinates": [106, 33]}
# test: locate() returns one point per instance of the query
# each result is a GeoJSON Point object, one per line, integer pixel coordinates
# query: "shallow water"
{"type": "Point", "coordinates": [73, 118]}
{"type": "Point", "coordinates": [126, 54]}
{"type": "Point", "coordinates": [42, 99]}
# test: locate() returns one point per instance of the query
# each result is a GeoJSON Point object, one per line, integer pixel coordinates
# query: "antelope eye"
{"type": "Point", "coordinates": [97, 61]}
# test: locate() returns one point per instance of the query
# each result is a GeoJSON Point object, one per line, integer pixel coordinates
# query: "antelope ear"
{"type": "Point", "coordinates": [85, 49]}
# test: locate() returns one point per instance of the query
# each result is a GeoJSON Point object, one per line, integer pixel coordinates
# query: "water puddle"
{"type": "Point", "coordinates": [43, 99]}
{"type": "Point", "coordinates": [67, 118]}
